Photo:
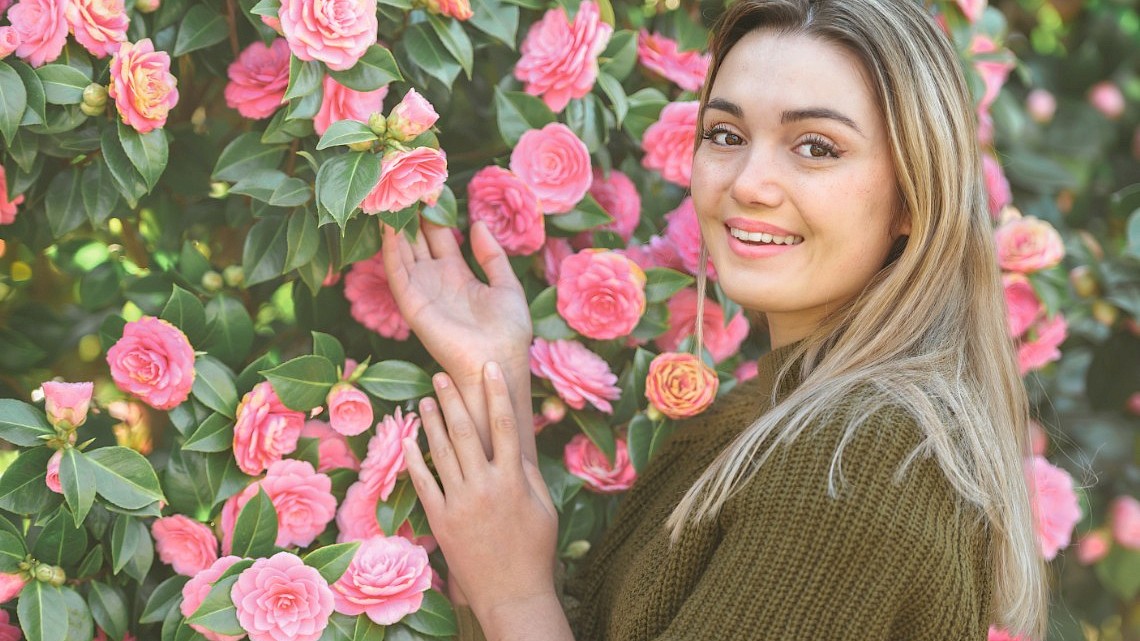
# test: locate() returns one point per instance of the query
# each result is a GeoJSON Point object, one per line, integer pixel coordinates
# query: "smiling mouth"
{"type": "Point", "coordinates": [760, 238]}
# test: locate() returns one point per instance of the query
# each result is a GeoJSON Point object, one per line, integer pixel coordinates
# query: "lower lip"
{"type": "Point", "coordinates": [748, 250]}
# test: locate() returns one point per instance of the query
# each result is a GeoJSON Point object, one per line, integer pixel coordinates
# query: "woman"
{"type": "Point", "coordinates": [868, 484]}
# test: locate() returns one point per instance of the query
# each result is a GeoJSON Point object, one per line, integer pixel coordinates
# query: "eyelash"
{"type": "Point", "coordinates": [816, 141]}
{"type": "Point", "coordinates": [707, 134]}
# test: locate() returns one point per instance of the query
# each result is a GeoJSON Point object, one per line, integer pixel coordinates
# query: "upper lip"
{"type": "Point", "coordinates": [755, 226]}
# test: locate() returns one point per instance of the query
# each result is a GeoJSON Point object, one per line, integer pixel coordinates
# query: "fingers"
{"type": "Point", "coordinates": [492, 258]}
{"type": "Point", "coordinates": [504, 425]}
{"type": "Point", "coordinates": [538, 485]}
{"type": "Point", "coordinates": [441, 241]}
{"type": "Point", "coordinates": [461, 428]}
{"type": "Point", "coordinates": [426, 488]}
{"type": "Point", "coordinates": [397, 257]}
{"type": "Point", "coordinates": [420, 247]}
{"type": "Point", "coordinates": [442, 453]}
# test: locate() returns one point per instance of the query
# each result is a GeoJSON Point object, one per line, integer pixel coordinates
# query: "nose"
{"type": "Point", "coordinates": [758, 181]}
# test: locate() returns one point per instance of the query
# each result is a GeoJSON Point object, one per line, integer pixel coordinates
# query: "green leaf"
{"type": "Point", "coordinates": [303, 238]}
{"type": "Point", "coordinates": [444, 212]}
{"type": "Point", "coordinates": [645, 108]}
{"type": "Point", "coordinates": [304, 78]}
{"type": "Point", "coordinates": [12, 551]}
{"type": "Point", "coordinates": [255, 533]}
{"type": "Point", "coordinates": [215, 434]}
{"type": "Point", "coordinates": [231, 329]}
{"type": "Point", "coordinates": [22, 424]}
{"type": "Point", "coordinates": [662, 282]}
{"type": "Point", "coordinates": [202, 27]}
{"type": "Point", "coordinates": [548, 323]}
{"type": "Point", "coordinates": [80, 627]}
{"type": "Point", "coordinates": [332, 560]}
{"type": "Point", "coordinates": [260, 184]}
{"type": "Point", "coordinates": [217, 612]}
{"type": "Point", "coordinates": [245, 155]}
{"type": "Point", "coordinates": [435, 617]}
{"type": "Point", "coordinates": [375, 69]}
{"type": "Point", "coordinates": [346, 132]}
{"type": "Point", "coordinates": [63, 203]}
{"type": "Point", "coordinates": [167, 596]}
{"type": "Point", "coordinates": [620, 55]}
{"type": "Point", "coordinates": [359, 241]}
{"type": "Point", "coordinates": [97, 188]}
{"type": "Point", "coordinates": [357, 628]}
{"type": "Point", "coordinates": [328, 346]}
{"type": "Point", "coordinates": [36, 112]}
{"type": "Point", "coordinates": [148, 152]}
{"type": "Point", "coordinates": [424, 47]}
{"type": "Point", "coordinates": [1133, 233]}
{"type": "Point", "coordinates": [22, 486]}
{"type": "Point", "coordinates": [266, 247]}
{"type": "Point", "coordinates": [1119, 571]}
{"type": "Point", "coordinates": [394, 380]}
{"type": "Point", "coordinates": [496, 19]}
{"type": "Point", "coordinates": [76, 476]}
{"type": "Point", "coordinates": [587, 214]}
{"type": "Point", "coordinates": [124, 477]}
{"type": "Point", "coordinates": [344, 181]}
{"type": "Point", "coordinates": [91, 564]}
{"type": "Point", "coordinates": [392, 513]}
{"type": "Point", "coordinates": [127, 179]}
{"type": "Point", "coordinates": [131, 547]}
{"type": "Point", "coordinates": [455, 40]}
{"type": "Point", "coordinates": [60, 542]}
{"type": "Point", "coordinates": [13, 101]}
{"type": "Point", "coordinates": [63, 84]}
{"type": "Point", "coordinates": [517, 112]}
{"type": "Point", "coordinates": [109, 609]}
{"type": "Point", "coordinates": [402, 219]}
{"type": "Point", "coordinates": [302, 383]}
{"type": "Point", "coordinates": [186, 312]}
{"type": "Point", "coordinates": [612, 88]}
{"type": "Point", "coordinates": [292, 192]}
{"type": "Point", "coordinates": [595, 427]}
{"type": "Point", "coordinates": [39, 609]}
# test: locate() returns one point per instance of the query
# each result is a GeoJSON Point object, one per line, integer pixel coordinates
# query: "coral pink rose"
{"type": "Point", "coordinates": [601, 293]}
{"type": "Point", "coordinates": [1056, 509]}
{"type": "Point", "coordinates": [334, 450]}
{"type": "Point", "coordinates": [680, 385]}
{"type": "Point", "coordinates": [196, 589]}
{"type": "Point", "coordinates": [7, 207]}
{"type": "Point", "coordinates": [9, 41]}
{"type": "Point", "coordinates": [258, 79]}
{"type": "Point", "coordinates": [99, 25]}
{"type": "Point", "coordinates": [385, 458]}
{"type": "Point", "coordinates": [41, 27]}
{"type": "Point", "coordinates": [554, 251]}
{"type": "Point", "coordinates": [993, 69]}
{"type": "Point", "coordinates": [67, 403]}
{"type": "Point", "coordinates": [371, 302]}
{"type": "Point", "coordinates": [350, 411]}
{"type": "Point", "coordinates": [407, 177]}
{"type": "Point", "coordinates": [972, 9]}
{"type": "Point", "coordinates": [265, 430]}
{"type": "Point", "coordinates": [560, 60]}
{"type": "Point", "coordinates": [555, 163]}
{"type": "Point", "coordinates": [153, 361]}
{"type": "Point", "coordinates": [721, 339]}
{"type": "Point", "coordinates": [1028, 244]}
{"type": "Point", "coordinates": [1093, 547]}
{"type": "Point", "coordinates": [997, 186]}
{"type": "Point", "coordinates": [618, 196]}
{"type": "Point", "coordinates": [412, 117]}
{"type": "Point", "coordinates": [10, 586]}
{"type": "Point", "coordinates": [282, 599]}
{"type": "Point", "coordinates": [668, 143]}
{"type": "Point", "coordinates": [9, 632]}
{"type": "Point", "coordinates": [338, 102]}
{"type": "Point", "coordinates": [458, 9]}
{"type": "Point", "coordinates": [578, 375]}
{"type": "Point", "coordinates": [584, 460]}
{"type": "Point", "coordinates": [356, 516]}
{"type": "Point", "coordinates": [683, 232]}
{"type": "Point", "coordinates": [386, 580]}
{"type": "Point", "coordinates": [336, 32]}
{"type": "Point", "coordinates": [1021, 303]}
{"type": "Point", "coordinates": [1041, 105]}
{"type": "Point", "coordinates": [686, 69]}
{"type": "Point", "coordinates": [184, 544]}
{"type": "Point", "coordinates": [52, 478]}
{"type": "Point", "coordinates": [142, 86]}
{"type": "Point", "coordinates": [509, 208]}
{"type": "Point", "coordinates": [301, 496]}
{"type": "Point", "coordinates": [1041, 345]}
{"type": "Point", "coordinates": [1106, 98]}
{"type": "Point", "coordinates": [1125, 511]}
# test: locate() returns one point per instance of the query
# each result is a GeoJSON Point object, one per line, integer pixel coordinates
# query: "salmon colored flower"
{"type": "Point", "coordinates": [680, 385]}
{"type": "Point", "coordinates": [142, 86]}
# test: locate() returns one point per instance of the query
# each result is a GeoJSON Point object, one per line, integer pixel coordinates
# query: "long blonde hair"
{"type": "Point", "coordinates": [947, 359]}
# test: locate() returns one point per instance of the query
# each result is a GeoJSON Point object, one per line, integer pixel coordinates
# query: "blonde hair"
{"type": "Point", "coordinates": [948, 360]}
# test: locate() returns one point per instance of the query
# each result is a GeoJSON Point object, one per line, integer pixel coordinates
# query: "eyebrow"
{"type": "Point", "coordinates": [795, 115]}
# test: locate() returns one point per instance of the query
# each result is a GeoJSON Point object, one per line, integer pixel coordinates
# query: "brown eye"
{"type": "Point", "coordinates": [819, 151]}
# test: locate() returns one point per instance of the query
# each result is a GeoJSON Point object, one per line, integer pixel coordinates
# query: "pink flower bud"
{"type": "Point", "coordinates": [147, 6]}
{"type": "Point", "coordinates": [413, 116]}
{"type": "Point", "coordinates": [10, 586]}
{"type": "Point", "coordinates": [1106, 98]}
{"type": "Point", "coordinates": [1041, 105]}
{"type": "Point", "coordinates": [1093, 547]}
{"type": "Point", "coordinates": [52, 479]}
{"type": "Point", "coordinates": [9, 40]}
{"type": "Point", "coordinates": [67, 403]}
{"type": "Point", "coordinates": [553, 410]}
{"type": "Point", "coordinates": [1125, 511]}
{"type": "Point", "coordinates": [350, 411]}
{"type": "Point", "coordinates": [1133, 404]}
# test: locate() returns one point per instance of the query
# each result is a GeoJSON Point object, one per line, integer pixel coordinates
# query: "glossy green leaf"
{"type": "Point", "coordinates": [455, 40]}
{"type": "Point", "coordinates": [304, 77]}
{"type": "Point", "coordinates": [202, 27]}
{"type": "Point", "coordinates": [444, 212]}
{"type": "Point", "coordinates": [12, 551]}
{"type": "Point", "coordinates": [303, 382]}
{"type": "Point", "coordinates": [109, 609]}
{"type": "Point", "coordinates": [185, 311]}
{"type": "Point", "coordinates": [375, 69]}
{"type": "Point", "coordinates": [328, 346]}
{"type": "Point", "coordinates": [217, 612]}
{"type": "Point", "coordinates": [394, 380]}
{"type": "Point", "coordinates": [36, 111]}
{"type": "Point", "coordinates": [245, 155]}
{"type": "Point", "coordinates": [167, 596]}
{"type": "Point", "coordinates": [430, 55]}
{"type": "Point", "coordinates": [266, 247]}
{"type": "Point", "coordinates": [13, 101]}
{"type": "Point", "coordinates": [127, 179]}
{"type": "Point", "coordinates": [517, 112]}
{"type": "Point", "coordinates": [230, 334]}
{"type": "Point", "coordinates": [359, 241]}
{"type": "Point", "coordinates": [346, 132]}
{"type": "Point", "coordinates": [148, 152]}
{"type": "Point", "coordinates": [303, 238]}
{"type": "Point", "coordinates": [98, 191]}
{"type": "Point", "coordinates": [63, 84]}
{"type": "Point", "coordinates": [77, 479]}
{"type": "Point", "coordinates": [496, 19]}
{"type": "Point", "coordinates": [620, 55]}
{"type": "Point", "coordinates": [215, 434]}
{"type": "Point", "coordinates": [598, 431]}
{"type": "Point", "coordinates": [544, 315]}
{"type": "Point", "coordinates": [392, 513]}
{"type": "Point", "coordinates": [124, 477]}
{"type": "Point", "coordinates": [22, 424]}
{"type": "Point", "coordinates": [64, 203]}
{"type": "Point", "coordinates": [587, 214]}
{"type": "Point", "coordinates": [662, 282]}
{"type": "Point", "coordinates": [344, 181]}
{"type": "Point", "coordinates": [435, 617]}
{"type": "Point", "coordinates": [22, 486]}
{"type": "Point", "coordinates": [332, 560]}
{"type": "Point", "coordinates": [126, 538]}
{"type": "Point", "coordinates": [255, 532]}
{"type": "Point", "coordinates": [60, 541]}
{"type": "Point", "coordinates": [80, 626]}
{"type": "Point", "coordinates": [40, 608]}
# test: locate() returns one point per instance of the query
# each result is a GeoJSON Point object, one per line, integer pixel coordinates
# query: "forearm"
{"type": "Point", "coordinates": [539, 618]}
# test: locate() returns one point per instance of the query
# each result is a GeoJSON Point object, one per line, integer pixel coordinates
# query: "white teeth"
{"type": "Point", "coordinates": [761, 237]}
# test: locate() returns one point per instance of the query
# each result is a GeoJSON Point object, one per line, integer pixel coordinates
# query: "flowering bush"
{"type": "Point", "coordinates": [204, 378]}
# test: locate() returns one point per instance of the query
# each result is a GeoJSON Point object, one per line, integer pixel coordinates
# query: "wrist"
{"type": "Point", "coordinates": [515, 613]}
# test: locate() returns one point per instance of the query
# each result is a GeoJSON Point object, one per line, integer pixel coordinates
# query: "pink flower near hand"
{"type": "Point", "coordinates": [412, 117]}
{"type": "Point", "coordinates": [554, 251]}
{"type": "Point", "coordinates": [153, 361]}
{"type": "Point", "coordinates": [370, 299]}
{"type": "Point", "coordinates": [9, 41]}
{"type": "Point", "coordinates": [184, 544]}
{"type": "Point", "coordinates": [52, 478]}
{"type": "Point", "coordinates": [680, 385]}
{"type": "Point", "coordinates": [338, 102]}
{"type": "Point", "coordinates": [99, 25]}
{"type": "Point", "coordinates": [509, 208]}
{"type": "Point", "coordinates": [578, 375]}
{"type": "Point", "coordinates": [601, 293]}
{"type": "Point", "coordinates": [41, 27]}
{"type": "Point", "coordinates": [1041, 345]}
{"type": "Point", "coordinates": [1022, 304]}
{"type": "Point", "coordinates": [972, 9]}
{"type": "Point", "coordinates": [407, 177]}
{"type": "Point", "coordinates": [1056, 510]}
{"type": "Point", "coordinates": [555, 163]}
{"type": "Point", "coordinates": [722, 341]}
{"type": "Point", "coordinates": [336, 32]}
{"type": "Point", "coordinates": [334, 450]}
{"type": "Point", "coordinates": [356, 517]}
{"type": "Point", "coordinates": [618, 196]}
{"type": "Point", "coordinates": [584, 460]}
{"type": "Point", "coordinates": [385, 458]}
{"type": "Point", "coordinates": [282, 599]}
{"type": "Point", "coordinates": [1125, 515]}
{"type": "Point", "coordinates": [1093, 547]}
{"type": "Point", "coordinates": [142, 85]}
{"type": "Point", "coordinates": [67, 403]}
{"type": "Point", "coordinates": [9, 632]}
{"type": "Point", "coordinates": [195, 591]}
{"type": "Point", "coordinates": [1028, 244]}
{"type": "Point", "coordinates": [386, 580]}
{"type": "Point", "coordinates": [660, 55]}
{"type": "Point", "coordinates": [258, 79]}
{"type": "Point", "coordinates": [10, 586]}
{"type": "Point", "coordinates": [684, 234]}
{"type": "Point", "coordinates": [350, 411]}
{"type": "Point", "coordinates": [7, 207]}
{"type": "Point", "coordinates": [301, 496]}
{"type": "Point", "coordinates": [997, 186]}
{"type": "Point", "coordinates": [668, 143]}
{"type": "Point", "coordinates": [265, 430]}
{"type": "Point", "coordinates": [560, 60]}
{"type": "Point", "coordinates": [1107, 98]}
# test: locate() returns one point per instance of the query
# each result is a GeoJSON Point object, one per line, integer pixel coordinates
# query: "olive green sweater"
{"type": "Point", "coordinates": [884, 560]}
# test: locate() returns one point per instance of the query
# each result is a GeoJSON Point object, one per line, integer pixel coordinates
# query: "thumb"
{"type": "Point", "coordinates": [491, 257]}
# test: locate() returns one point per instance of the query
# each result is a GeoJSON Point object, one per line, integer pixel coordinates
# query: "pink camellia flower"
{"type": "Point", "coordinates": [680, 385]}
{"type": "Point", "coordinates": [1041, 105]}
{"type": "Point", "coordinates": [458, 9]}
{"type": "Point", "coordinates": [413, 116]}
{"type": "Point", "coordinates": [1056, 510]}
{"type": "Point", "coordinates": [1093, 547]}
{"type": "Point", "coordinates": [746, 371]}
{"type": "Point", "coordinates": [998, 634]}
{"type": "Point", "coordinates": [10, 586]}
{"type": "Point", "coordinates": [153, 361]}
{"type": "Point", "coordinates": [722, 341]}
{"type": "Point", "coordinates": [560, 60]}
{"type": "Point", "coordinates": [370, 299]}
{"type": "Point", "coordinates": [336, 32]}
{"type": "Point", "coordinates": [7, 207]}
{"type": "Point", "coordinates": [99, 25]}
{"type": "Point", "coordinates": [385, 458]}
{"type": "Point", "coordinates": [668, 143]}
{"type": "Point", "coordinates": [100, 635]}
{"type": "Point", "coordinates": [9, 632]}
{"type": "Point", "coordinates": [147, 6]}
{"type": "Point", "coordinates": [265, 430]}
{"type": "Point", "coordinates": [142, 85]}
{"type": "Point", "coordinates": [601, 293]}
{"type": "Point", "coordinates": [509, 208]}
{"type": "Point", "coordinates": [9, 41]}
{"type": "Point", "coordinates": [386, 580]}
{"type": "Point", "coordinates": [258, 79]}
{"type": "Point", "coordinates": [618, 196]}
{"type": "Point", "coordinates": [407, 177]}
{"type": "Point", "coordinates": [997, 185]}
{"type": "Point", "coordinates": [334, 451]}
{"type": "Point", "coordinates": [553, 252]}
{"type": "Point", "coordinates": [555, 163]}
{"type": "Point", "coordinates": [184, 544]}
{"type": "Point", "coordinates": [1107, 98]}
{"type": "Point", "coordinates": [350, 411]}
{"type": "Point", "coordinates": [972, 9]}
{"type": "Point", "coordinates": [1028, 244]}
{"type": "Point", "coordinates": [282, 599]}
{"type": "Point", "coordinates": [52, 478]}
{"type": "Point", "coordinates": [683, 232]}
{"type": "Point", "coordinates": [301, 496]}
{"type": "Point", "coordinates": [578, 375]}
{"type": "Point", "coordinates": [659, 54]}
{"type": "Point", "coordinates": [1125, 511]}
{"type": "Point", "coordinates": [1044, 346]}
{"type": "Point", "coordinates": [1021, 302]}
{"type": "Point", "coordinates": [993, 69]}
{"type": "Point", "coordinates": [195, 591]}
{"type": "Point", "coordinates": [1038, 439]}
{"type": "Point", "coordinates": [67, 403]}
{"type": "Point", "coordinates": [586, 461]}
{"type": "Point", "coordinates": [41, 27]}
{"type": "Point", "coordinates": [356, 516]}
{"type": "Point", "coordinates": [339, 102]}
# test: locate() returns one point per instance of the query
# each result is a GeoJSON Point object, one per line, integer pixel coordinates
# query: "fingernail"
{"type": "Point", "coordinates": [427, 405]}
{"type": "Point", "coordinates": [493, 371]}
{"type": "Point", "coordinates": [441, 381]}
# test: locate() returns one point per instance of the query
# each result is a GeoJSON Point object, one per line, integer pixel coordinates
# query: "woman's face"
{"type": "Point", "coordinates": [793, 182]}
